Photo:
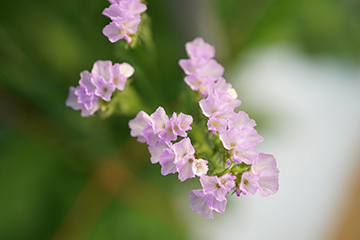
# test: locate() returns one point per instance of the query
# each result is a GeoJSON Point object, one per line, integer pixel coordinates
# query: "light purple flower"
{"type": "Point", "coordinates": [88, 112]}
{"type": "Point", "coordinates": [217, 125]}
{"type": "Point", "coordinates": [148, 132]}
{"type": "Point", "coordinates": [226, 113]}
{"type": "Point", "coordinates": [244, 153]}
{"type": "Point", "coordinates": [87, 100]}
{"type": "Point", "coordinates": [182, 149]}
{"type": "Point", "coordinates": [211, 105]}
{"type": "Point", "coordinates": [222, 85]}
{"type": "Point", "coordinates": [191, 66]}
{"type": "Point", "coordinates": [242, 119]}
{"type": "Point", "coordinates": [181, 124]}
{"type": "Point", "coordinates": [188, 167]}
{"type": "Point", "coordinates": [249, 183]}
{"type": "Point", "coordinates": [251, 134]}
{"type": "Point", "coordinates": [104, 89]}
{"type": "Point", "coordinates": [95, 85]}
{"type": "Point", "coordinates": [159, 120]}
{"type": "Point", "coordinates": [85, 82]}
{"type": "Point", "coordinates": [200, 205]}
{"type": "Point", "coordinates": [227, 98]}
{"type": "Point", "coordinates": [219, 121]}
{"type": "Point", "coordinates": [72, 100]}
{"type": "Point", "coordinates": [265, 163]}
{"type": "Point", "coordinates": [199, 83]}
{"type": "Point", "coordinates": [227, 181]}
{"type": "Point", "coordinates": [79, 99]}
{"type": "Point", "coordinates": [206, 204]}
{"type": "Point", "coordinates": [166, 160]}
{"type": "Point", "coordinates": [185, 167]}
{"type": "Point", "coordinates": [102, 68]}
{"type": "Point", "coordinates": [134, 7]}
{"type": "Point", "coordinates": [218, 187]}
{"type": "Point", "coordinates": [231, 138]}
{"type": "Point", "coordinates": [115, 1]}
{"type": "Point", "coordinates": [198, 48]}
{"type": "Point", "coordinates": [121, 28]}
{"type": "Point", "coordinates": [212, 69]}
{"type": "Point", "coordinates": [168, 134]}
{"type": "Point", "coordinates": [138, 124]}
{"type": "Point", "coordinates": [120, 74]}
{"type": "Point", "coordinates": [114, 10]}
{"type": "Point", "coordinates": [156, 150]}
{"type": "Point", "coordinates": [268, 184]}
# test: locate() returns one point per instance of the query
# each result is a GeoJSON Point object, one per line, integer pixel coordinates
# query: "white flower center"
{"type": "Point", "coordinates": [232, 93]}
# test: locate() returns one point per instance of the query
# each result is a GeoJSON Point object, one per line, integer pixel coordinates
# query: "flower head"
{"type": "Point", "coordinates": [125, 16]}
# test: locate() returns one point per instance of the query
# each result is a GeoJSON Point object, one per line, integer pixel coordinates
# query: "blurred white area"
{"type": "Point", "coordinates": [315, 137]}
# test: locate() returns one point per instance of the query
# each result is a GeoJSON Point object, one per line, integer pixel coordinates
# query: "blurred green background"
{"type": "Point", "coordinates": [67, 177]}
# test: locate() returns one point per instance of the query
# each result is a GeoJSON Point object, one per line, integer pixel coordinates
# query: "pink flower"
{"type": "Point", "coordinates": [249, 183]}
{"type": "Point", "coordinates": [198, 48]}
{"type": "Point", "coordinates": [218, 187]}
{"type": "Point", "coordinates": [265, 168]}
{"type": "Point", "coordinates": [211, 105]}
{"type": "Point", "coordinates": [265, 163]}
{"type": "Point", "coordinates": [121, 28]}
{"type": "Point", "coordinates": [268, 184]}
{"type": "Point", "coordinates": [120, 74]}
{"type": "Point", "coordinates": [103, 69]}
{"type": "Point", "coordinates": [244, 153]}
{"type": "Point", "coordinates": [242, 119]}
{"type": "Point", "coordinates": [168, 134]}
{"type": "Point", "coordinates": [231, 138]}
{"type": "Point", "coordinates": [167, 161]}
{"type": "Point", "coordinates": [198, 82]}
{"type": "Point", "coordinates": [104, 89]}
{"type": "Point", "coordinates": [217, 125]}
{"type": "Point", "coordinates": [115, 11]}
{"type": "Point", "coordinates": [183, 149]}
{"type": "Point", "coordinates": [138, 124]}
{"type": "Point", "coordinates": [251, 134]}
{"type": "Point", "coordinates": [206, 204]}
{"type": "Point", "coordinates": [181, 124]}
{"type": "Point", "coordinates": [85, 81]}
{"type": "Point", "coordinates": [156, 150]}
{"type": "Point", "coordinates": [188, 167]}
{"type": "Point", "coordinates": [148, 132]}
{"type": "Point", "coordinates": [88, 100]}
{"type": "Point", "coordinates": [159, 120]}
{"type": "Point", "coordinates": [72, 100]}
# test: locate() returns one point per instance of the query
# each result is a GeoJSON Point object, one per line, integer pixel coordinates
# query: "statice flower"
{"type": "Point", "coordinates": [221, 149]}
{"type": "Point", "coordinates": [251, 171]}
{"type": "Point", "coordinates": [125, 16]}
{"type": "Point", "coordinates": [168, 142]}
{"type": "Point", "coordinates": [226, 161]}
{"type": "Point", "coordinates": [201, 68]}
{"type": "Point", "coordinates": [97, 86]}
{"type": "Point", "coordinates": [206, 204]}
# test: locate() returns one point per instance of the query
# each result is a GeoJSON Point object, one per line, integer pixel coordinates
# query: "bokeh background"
{"type": "Point", "coordinates": [294, 63]}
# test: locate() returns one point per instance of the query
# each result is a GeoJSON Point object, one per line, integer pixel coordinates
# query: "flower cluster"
{"type": "Point", "coordinates": [125, 16]}
{"type": "Point", "coordinates": [201, 68]}
{"type": "Point", "coordinates": [236, 166]}
{"type": "Point", "coordinates": [98, 85]}
{"type": "Point", "coordinates": [163, 137]}
{"type": "Point", "coordinates": [247, 170]}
